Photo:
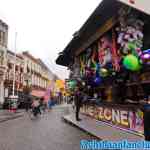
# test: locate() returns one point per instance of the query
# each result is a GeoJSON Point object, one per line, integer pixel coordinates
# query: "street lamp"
{"type": "Point", "coordinates": [13, 97]}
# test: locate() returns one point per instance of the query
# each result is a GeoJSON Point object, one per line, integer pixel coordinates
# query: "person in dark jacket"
{"type": "Point", "coordinates": [78, 101]}
{"type": "Point", "coordinates": [28, 103]}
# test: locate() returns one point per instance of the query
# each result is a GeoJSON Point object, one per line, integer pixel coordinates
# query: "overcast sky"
{"type": "Point", "coordinates": [45, 27]}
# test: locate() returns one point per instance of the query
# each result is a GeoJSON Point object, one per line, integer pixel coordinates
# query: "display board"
{"type": "Point", "coordinates": [126, 118]}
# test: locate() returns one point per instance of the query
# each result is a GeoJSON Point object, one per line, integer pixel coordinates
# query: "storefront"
{"type": "Point", "coordinates": [111, 57]}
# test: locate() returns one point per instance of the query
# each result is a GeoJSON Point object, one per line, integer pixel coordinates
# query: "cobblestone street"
{"type": "Point", "coordinates": [48, 132]}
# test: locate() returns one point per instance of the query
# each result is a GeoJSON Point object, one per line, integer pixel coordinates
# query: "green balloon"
{"type": "Point", "coordinates": [73, 83]}
{"type": "Point", "coordinates": [131, 62]}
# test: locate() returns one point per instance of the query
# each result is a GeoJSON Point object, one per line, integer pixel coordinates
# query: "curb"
{"type": "Point", "coordinates": [11, 118]}
{"type": "Point", "coordinates": [80, 128]}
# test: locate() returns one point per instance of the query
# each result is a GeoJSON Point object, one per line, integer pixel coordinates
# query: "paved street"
{"type": "Point", "coordinates": [46, 133]}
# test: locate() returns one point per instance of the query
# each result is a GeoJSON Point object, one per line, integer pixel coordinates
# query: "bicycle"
{"type": "Point", "coordinates": [34, 113]}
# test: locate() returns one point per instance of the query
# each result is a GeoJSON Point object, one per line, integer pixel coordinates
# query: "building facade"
{"type": "Point", "coordinates": [37, 74]}
{"type": "Point", "coordinates": [18, 61]}
{"type": "Point", "coordinates": [3, 50]}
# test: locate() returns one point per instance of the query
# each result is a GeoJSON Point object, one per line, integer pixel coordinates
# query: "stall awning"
{"type": "Point", "coordinates": [38, 93]}
{"type": "Point", "coordinates": [102, 13]}
{"type": "Point", "coordinates": [105, 11]}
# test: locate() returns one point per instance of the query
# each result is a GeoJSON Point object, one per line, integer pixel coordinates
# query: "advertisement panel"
{"type": "Point", "coordinates": [127, 119]}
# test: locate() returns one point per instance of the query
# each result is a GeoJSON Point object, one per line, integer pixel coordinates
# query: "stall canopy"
{"type": "Point", "coordinates": [105, 11]}
{"type": "Point", "coordinates": [38, 93]}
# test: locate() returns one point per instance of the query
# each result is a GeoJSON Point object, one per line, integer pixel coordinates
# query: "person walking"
{"type": "Point", "coordinates": [78, 101]}
{"type": "Point", "coordinates": [28, 102]}
{"type": "Point", "coordinates": [36, 107]}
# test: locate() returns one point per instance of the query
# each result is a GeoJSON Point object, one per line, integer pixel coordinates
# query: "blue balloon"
{"type": "Point", "coordinates": [97, 81]}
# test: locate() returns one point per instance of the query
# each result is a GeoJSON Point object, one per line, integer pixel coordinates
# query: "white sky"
{"type": "Point", "coordinates": [45, 27]}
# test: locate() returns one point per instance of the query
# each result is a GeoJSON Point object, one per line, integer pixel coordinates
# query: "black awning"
{"type": "Point", "coordinates": [105, 10]}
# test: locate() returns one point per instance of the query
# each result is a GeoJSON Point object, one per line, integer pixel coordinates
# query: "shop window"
{"type": "Point", "coordinates": [17, 68]}
{"type": "Point", "coordinates": [9, 65]}
{"type": "Point", "coordinates": [21, 70]}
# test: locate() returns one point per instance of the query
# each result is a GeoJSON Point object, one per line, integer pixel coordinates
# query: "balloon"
{"type": "Point", "coordinates": [97, 81]}
{"type": "Point", "coordinates": [131, 62]}
{"type": "Point", "coordinates": [145, 56]}
{"type": "Point", "coordinates": [72, 84]}
{"type": "Point", "coordinates": [83, 83]}
{"type": "Point", "coordinates": [103, 72]}
{"type": "Point", "coordinates": [93, 66]}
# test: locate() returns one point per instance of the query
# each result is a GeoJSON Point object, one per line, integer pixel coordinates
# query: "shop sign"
{"type": "Point", "coordinates": [128, 119]}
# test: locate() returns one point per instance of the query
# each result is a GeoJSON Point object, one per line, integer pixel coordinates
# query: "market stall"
{"type": "Point", "coordinates": [113, 64]}
{"type": "Point", "coordinates": [115, 67]}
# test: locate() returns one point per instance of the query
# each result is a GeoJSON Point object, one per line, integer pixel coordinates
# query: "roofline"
{"type": "Point", "coordinates": [12, 53]}
{"type": "Point", "coordinates": [26, 53]}
{"type": "Point", "coordinates": [4, 24]}
{"type": "Point", "coordinates": [85, 35]}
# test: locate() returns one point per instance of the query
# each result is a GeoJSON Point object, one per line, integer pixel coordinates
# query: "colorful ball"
{"type": "Point", "coordinates": [145, 57]}
{"type": "Point", "coordinates": [103, 72]}
{"type": "Point", "coordinates": [97, 81]}
{"type": "Point", "coordinates": [131, 62]}
{"type": "Point", "coordinates": [72, 84]}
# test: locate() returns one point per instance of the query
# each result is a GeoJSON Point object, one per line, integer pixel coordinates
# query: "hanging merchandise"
{"type": "Point", "coordinates": [82, 65]}
{"type": "Point", "coordinates": [88, 53]}
{"type": "Point", "coordinates": [130, 36]}
{"type": "Point", "coordinates": [89, 72]}
{"type": "Point", "coordinates": [131, 62]}
{"type": "Point", "coordinates": [104, 50]}
{"type": "Point", "coordinates": [115, 58]}
{"type": "Point", "coordinates": [145, 56]}
{"type": "Point", "coordinates": [93, 61]}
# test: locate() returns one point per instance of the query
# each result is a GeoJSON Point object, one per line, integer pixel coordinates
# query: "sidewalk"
{"type": "Point", "coordinates": [100, 129]}
{"type": "Point", "coordinates": [6, 115]}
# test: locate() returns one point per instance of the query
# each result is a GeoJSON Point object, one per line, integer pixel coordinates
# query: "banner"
{"type": "Point", "coordinates": [128, 119]}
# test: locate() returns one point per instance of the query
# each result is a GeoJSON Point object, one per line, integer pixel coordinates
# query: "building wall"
{"type": "Point", "coordinates": [37, 71]}
{"type": "Point", "coordinates": [3, 50]}
{"type": "Point", "coordinates": [19, 73]}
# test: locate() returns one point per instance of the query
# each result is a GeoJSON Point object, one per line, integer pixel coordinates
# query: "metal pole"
{"type": "Point", "coordinates": [14, 73]}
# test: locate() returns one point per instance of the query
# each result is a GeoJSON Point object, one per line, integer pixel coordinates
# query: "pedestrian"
{"type": "Point", "coordinates": [27, 103]}
{"type": "Point", "coordinates": [49, 103]}
{"type": "Point", "coordinates": [36, 107]}
{"type": "Point", "coordinates": [78, 101]}
{"type": "Point", "coordinates": [146, 118]}
{"type": "Point", "coordinates": [42, 104]}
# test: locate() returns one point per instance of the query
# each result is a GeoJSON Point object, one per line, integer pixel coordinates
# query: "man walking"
{"type": "Point", "coordinates": [78, 101]}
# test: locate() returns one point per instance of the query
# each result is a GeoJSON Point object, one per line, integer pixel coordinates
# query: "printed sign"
{"type": "Point", "coordinates": [128, 119]}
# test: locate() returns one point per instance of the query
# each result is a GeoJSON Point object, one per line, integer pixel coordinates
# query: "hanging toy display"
{"type": "Point", "coordinates": [130, 35]}
{"type": "Point", "coordinates": [115, 58]}
{"type": "Point", "coordinates": [82, 65]}
{"type": "Point", "coordinates": [145, 56]}
{"type": "Point", "coordinates": [131, 62]}
{"type": "Point", "coordinates": [104, 50]}
{"type": "Point", "coordinates": [93, 61]}
{"type": "Point", "coordinates": [89, 72]}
